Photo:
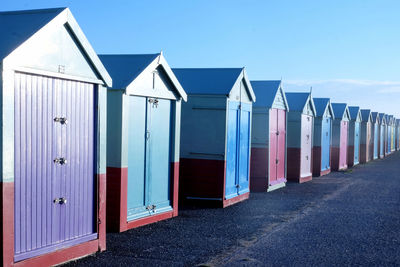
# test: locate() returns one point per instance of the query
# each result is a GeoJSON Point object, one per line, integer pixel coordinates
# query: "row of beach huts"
{"type": "Point", "coordinates": [94, 143]}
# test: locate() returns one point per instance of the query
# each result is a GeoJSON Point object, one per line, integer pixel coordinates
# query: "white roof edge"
{"type": "Point", "coordinates": [280, 88]}
{"type": "Point", "coordinates": [84, 42]}
{"type": "Point", "coordinates": [243, 75]}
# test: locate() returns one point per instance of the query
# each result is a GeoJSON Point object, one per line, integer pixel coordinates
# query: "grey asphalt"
{"type": "Point", "coordinates": [344, 218]}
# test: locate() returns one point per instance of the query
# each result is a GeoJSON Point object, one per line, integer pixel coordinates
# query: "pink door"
{"type": "Point", "coordinates": [281, 148]}
{"type": "Point", "coordinates": [343, 144]}
{"type": "Point", "coordinates": [306, 145]}
{"type": "Point", "coordinates": [273, 141]}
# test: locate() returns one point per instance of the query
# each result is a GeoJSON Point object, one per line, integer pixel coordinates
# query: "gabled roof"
{"type": "Point", "coordinates": [266, 92]}
{"type": "Point", "coordinates": [382, 117]}
{"type": "Point", "coordinates": [321, 105]}
{"type": "Point", "coordinates": [389, 119]}
{"type": "Point", "coordinates": [354, 112]}
{"type": "Point", "coordinates": [211, 81]}
{"type": "Point", "coordinates": [16, 27]}
{"type": "Point", "coordinates": [124, 69]}
{"type": "Point", "coordinates": [375, 117]}
{"type": "Point", "coordinates": [365, 115]}
{"type": "Point", "coordinates": [297, 101]}
{"type": "Point", "coordinates": [340, 109]}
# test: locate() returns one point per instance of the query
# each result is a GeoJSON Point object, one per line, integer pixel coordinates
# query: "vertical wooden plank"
{"type": "Point", "coordinates": [281, 144]}
{"type": "Point", "coordinates": [17, 161]}
{"type": "Point", "coordinates": [273, 144]}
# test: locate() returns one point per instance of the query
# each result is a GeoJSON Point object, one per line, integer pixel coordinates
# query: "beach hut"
{"type": "Point", "coordinates": [353, 148]}
{"type": "Point", "coordinates": [215, 135]}
{"type": "Point", "coordinates": [300, 136]}
{"type": "Point", "coordinates": [53, 136]}
{"type": "Point", "coordinates": [382, 134]}
{"type": "Point", "coordinates": [321, 154]}
{"type": "Point", "coordinates": [389, 121]}
{"type": "Point", "coordinates": [268, 140]}
{"type": "Point", "coordinates": [143, 132]}
{"type": "Point", "coordinates": [393, 137]}
{"type": "Point", "coordinates": [397, 134]}
{"type": "Point", "coordinates": [366, 136]}
{"type": "Point", "coordinates": [375, 134]}
{"type": "Point", "coordinates": [340, 133]}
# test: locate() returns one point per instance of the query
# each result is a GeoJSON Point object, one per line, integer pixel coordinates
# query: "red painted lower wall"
{"type": "Point", "coordinates": [293, 164]}
{"type": "Point", "coordinates": [259, 170]}
{"type": "Point", "coordinates": [335, 154]}
{"type": "Point", "coordinates": [317, 161]}
{"type": "Point", "coordinates": [201, 178]}
{"type": "Point", "coordinates": [350, 156]}
{"type": "Point", "coordinates": [234, 200]}
{"type": "Point", "coordinates": [364, 157]}
{"type": "Point", "coordinates": [117, 199]}
{"type": "Point", "coordinates": [59, 256]}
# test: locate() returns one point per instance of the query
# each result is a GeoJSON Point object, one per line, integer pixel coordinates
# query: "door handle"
{"type": "Point", "coordinates": [61, 120]}
{"type": "Point", "coordinates": [61, 200]}
{"type": "Point", "coordinates": [60, 161]}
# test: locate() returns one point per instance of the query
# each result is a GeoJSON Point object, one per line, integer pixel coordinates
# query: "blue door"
{"type": "Point", "coordinates": [326, 144]}
{"type": "Point", "coordinates": [148, 156]}
{"type": "Point", "coordinates": [376, 141]}
{"type": "Point", "coordinates": [238, 149]}
{"type": "Point", "coordinates": [357, 143]}
{"type": "Point", "coordinates": [389, 138]}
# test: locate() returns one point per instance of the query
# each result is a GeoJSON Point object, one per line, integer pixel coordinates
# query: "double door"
{"type": "Point", "coordinates": [376, 132]}
{"type": "Point", "coordinates": [238, 149]}
{"type": "Point", "coordinates": [326, 143]}
{"type": "Point", "coordinates": [54, 164]}
{"type": "Point", "coordinates": [357, 143]}
{"type": "Point", "coordinates": [306, 145]}
{"type": "Point", "coordinates": [382, 140]}
{"type": "Point", "coordinates": [277, 145]}
{"type": "Point", "coordinates": [149, 139]}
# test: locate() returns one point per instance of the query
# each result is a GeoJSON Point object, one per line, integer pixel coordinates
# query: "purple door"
{"type": "Point", "coordinates": [54, 164]}
{"type": "Point", "coordinates": [306, 143]}
{"type": "Point", "coordinates": [343, 144]}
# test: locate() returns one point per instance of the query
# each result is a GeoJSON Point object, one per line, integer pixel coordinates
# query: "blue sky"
{"type": "Point", "coordinates": [346, 50]}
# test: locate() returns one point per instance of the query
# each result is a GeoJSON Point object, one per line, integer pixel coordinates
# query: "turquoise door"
{"type": "Point", "coordinates": [238, 149]}
{"type": "Point", "coordinates": [326, 144]}
{"type": "Point", "coordinates": [357, 143]}
{"type": "Point", "coordinates": [148, 129]}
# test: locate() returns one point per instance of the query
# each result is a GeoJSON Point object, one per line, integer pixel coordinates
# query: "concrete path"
{"type": "Point", "coordinates": [344, 218]}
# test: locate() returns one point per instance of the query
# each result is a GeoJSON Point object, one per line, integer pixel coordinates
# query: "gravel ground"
{"type": "Point", "coordinates": [344, 218]}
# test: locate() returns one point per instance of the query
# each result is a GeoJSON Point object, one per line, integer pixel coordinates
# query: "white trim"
{"type": "Point", "coordinates": [56, 75]}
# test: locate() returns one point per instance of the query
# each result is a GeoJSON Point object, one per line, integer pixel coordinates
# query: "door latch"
{"type": "Point", "coordinates": [151, 208]}
{"type": "Point", "coordinates": [238, 185]}
{"type": "Point", "coordinates": [154, 101]}
{"type": "Point", "coordinates": [277, 161]}
{"type": "Point", "coordinates": [60, 161]}
{"type": "Point", "coordinates": [61, 120]}
{"type": "Point", "coordinates": [61, 200]}
{"type": "Point", "coordinates": [277, 133]}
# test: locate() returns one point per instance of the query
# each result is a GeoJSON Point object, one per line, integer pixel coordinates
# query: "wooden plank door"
{"type": "Point", "coordinates": [54, 164]}
{"type": "Point", "coordinates": [306, 145]}
{"type": "Point", "coordinates": [281, 144]}
{"type": "Point", "coordinates": [149, 138]}
{"type": "Point", "coordinates": [343, 144]}
{"type": "Point", "coordinates": [231, 185]}
{"type": "Point", "coordinates": [357, 143]}
{"type": "Point", "coordinates": [273, 146]}
{"type": "Point", "coordinates": [244, 148]}
{"type": "Point", "coordinates": [326, 144]}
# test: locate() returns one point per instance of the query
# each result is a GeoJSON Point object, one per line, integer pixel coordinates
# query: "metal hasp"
{"type": "Point", "coordinates": [300, 136]}
{"type": "Point", "coordinates": [54, 132]}
{"type": "Point", "coordinates": [268, 140]}
{"type": "Point", "coordinates": [216, 131]}
{"type": "Point", "coordinates": [144, 109]}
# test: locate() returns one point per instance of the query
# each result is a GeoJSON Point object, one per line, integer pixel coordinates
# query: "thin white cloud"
{"type": "Point", "coordinates": [342, 81]}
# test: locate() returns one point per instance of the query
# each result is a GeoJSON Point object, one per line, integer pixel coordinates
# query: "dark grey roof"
{"type": "Point", "coordinates": [18, 26]}
{"type": "Point", "coordinates": [266, 92]}
{"type": "Point", "coordinates": [123, 69]}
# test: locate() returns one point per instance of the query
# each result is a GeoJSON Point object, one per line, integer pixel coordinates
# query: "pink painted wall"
{"type": "Point", "coordinates": [281, 144]}
{"type": "Point", "coordinates": [273, 142]}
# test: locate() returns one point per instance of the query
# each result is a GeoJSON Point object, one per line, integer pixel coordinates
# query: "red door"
{"type": "Point", "coordinates": [273, 145]}
{"type": "Point", "coordinates": [281, 148]}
